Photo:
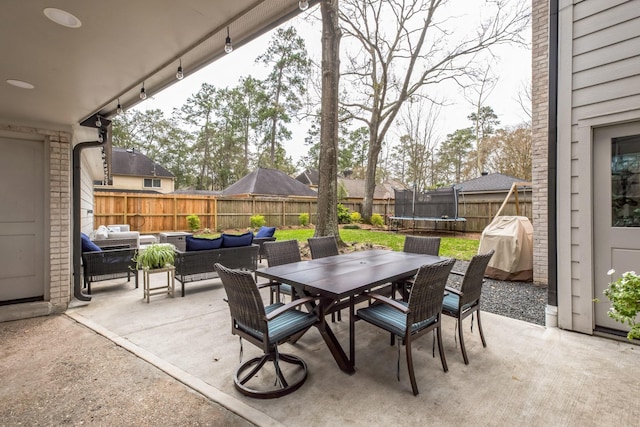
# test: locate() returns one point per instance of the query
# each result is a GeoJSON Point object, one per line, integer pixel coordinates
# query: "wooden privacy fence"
{"type": "Point", "coordinates": [155, 213]}
{"type": "Point", "coordinates": [479, 213]}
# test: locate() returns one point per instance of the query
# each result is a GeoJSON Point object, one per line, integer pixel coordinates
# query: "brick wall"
{"type": "Point", "coordinates": [60, 220]}
{"type": "Point", "coordinates": [540, 111]}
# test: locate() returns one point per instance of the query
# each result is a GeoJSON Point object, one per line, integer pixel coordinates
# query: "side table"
{"type": "Point", "coordinates": [169, 288]}
{"type": "Point", "coordinates": [176, 238]}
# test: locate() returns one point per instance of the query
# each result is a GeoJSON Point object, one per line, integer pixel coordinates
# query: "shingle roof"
{"type": "Point", "coordinates": [309, 177]}
{"type": "Point", "coordinates": [490, 182]}
{"type": "Point", "coordinates": [268, 182]}
{"type": "Point", "coordinates": [355, 189]}
{"type": "Point", "coordinates": [130, 162]}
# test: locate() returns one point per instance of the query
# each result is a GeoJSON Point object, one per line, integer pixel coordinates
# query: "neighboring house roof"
{"type": "Point", "coordinates": [268, 182]}
{"type": "Point", "coordinates": [355, 189]}
{"type": "Point", "coordinates": [309, 177]}
{"type": "Point", "coordinates": [198, 192]}
{"type": "Point", "coordinates": [119, 190]}
{"type": "Point", "coordinates": [490, 182]}
{"type": "Point", "coordinates": [134, 163]}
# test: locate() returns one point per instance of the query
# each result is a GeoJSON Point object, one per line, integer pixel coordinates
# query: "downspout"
{"type": "Point", "coordinates": [77, 243]}
{"type": "Point", "coordinates": [552, 293]}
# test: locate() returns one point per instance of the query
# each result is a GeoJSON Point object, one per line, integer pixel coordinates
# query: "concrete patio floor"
{"type": "Point", "coordinates": [527, 375]}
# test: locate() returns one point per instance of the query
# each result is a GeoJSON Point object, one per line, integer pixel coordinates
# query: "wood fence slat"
{"type": "Point", "coordinates": [155, 213]}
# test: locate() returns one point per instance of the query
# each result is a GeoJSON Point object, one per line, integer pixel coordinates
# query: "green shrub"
{"type": "Point", "coordinates": [303, 219]}
{"type": "Point", "coordinates": [257, 221]}
{"type": "Point", "coordinates": [343, 214]}
{"type": "Point", "coordinates": [355, 217]}
{"type": "Point", "coordinates": [351, 227]}
{"type": "Point", "coordinates": [193, 221]}
{"type": "Point", "coordinates": [376, 220]}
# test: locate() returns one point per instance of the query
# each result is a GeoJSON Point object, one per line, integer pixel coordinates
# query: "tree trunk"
{"type": "Point", "coordinates": [327, 222]}
{"type": "Point", "coordinates": [375, 145]}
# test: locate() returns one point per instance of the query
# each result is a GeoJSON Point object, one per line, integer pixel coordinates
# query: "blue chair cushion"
{"type": "Point", "coordinates": [390, 319]}
{"type": "Point", "coordinates": [234, 241]}
{"type": "Point", "coordinates": [266, 231]}
{"type": "Point", "coordinates": [285, 325]}
{"type": "Point", "coordinates": [451, 301]}
{"type": "Point", "coordinates": [88, 245]}
{"type": "Point", "coordinates": [201, 244]}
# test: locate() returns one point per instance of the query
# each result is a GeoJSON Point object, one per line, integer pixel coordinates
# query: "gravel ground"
{"type": "Point", "coordinates": [517, 300]}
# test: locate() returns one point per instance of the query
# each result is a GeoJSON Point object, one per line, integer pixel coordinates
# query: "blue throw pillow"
{"type": "Point", "coordinates": [88, 245]}
{"type": "Point", "coordinates": [266, 231]}
{"type": "Point", "coordinates": [231, 241]}
{"type": "Point", "coordinates": [199, 244]}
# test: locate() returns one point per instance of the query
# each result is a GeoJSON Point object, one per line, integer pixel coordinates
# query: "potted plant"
{"type": "Point", "coordinates": [154, 256]}
{"type": "Point", "coordinates": [624, 294]}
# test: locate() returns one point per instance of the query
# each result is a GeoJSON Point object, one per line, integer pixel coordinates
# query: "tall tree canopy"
{"type": "Point", "coordinates": [285, 87]}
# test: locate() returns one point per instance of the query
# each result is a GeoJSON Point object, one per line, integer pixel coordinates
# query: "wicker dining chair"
{"type": "Point", "coordinates": [265, 327]}
{"type": "Point", "coordinates": [322, 247]}
{"type": "Point", "coordinates": [412, 319]}
{"type": "Point", "coordinates": [416, 245]}
{"type": "Point", "coordinates": [466, 301]}
{"type": "Point", "coordinates": [279, 253]}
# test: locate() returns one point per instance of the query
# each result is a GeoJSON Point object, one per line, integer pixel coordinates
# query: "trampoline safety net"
{"type": "Point", "coordinates": [441, 203]}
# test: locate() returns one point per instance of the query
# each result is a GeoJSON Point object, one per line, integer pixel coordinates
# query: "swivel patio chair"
{"type": "Point", "coordinates": [421, 314]}
{"type": "Point", "coordinates": [279, 253]}
{"type": "Point", "coordinates": [466, 301]}
{"type": "Point", "coordinates": [416, 245]}
{"type": "Point", "coordinates": [322, 247]}
{"type": "Point", "coordinates": [265, 327]}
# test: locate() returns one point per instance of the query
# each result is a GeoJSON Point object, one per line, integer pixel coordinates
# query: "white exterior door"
{"type": "Point", "coordinates": [616, 211]}
{"type": "Point", "coordinates": [22, 239]}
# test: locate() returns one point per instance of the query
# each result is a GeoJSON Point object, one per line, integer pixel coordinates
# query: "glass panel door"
{"type": "Point", "coordinates": [625, 181]}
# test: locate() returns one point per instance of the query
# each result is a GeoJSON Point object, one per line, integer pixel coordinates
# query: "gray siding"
{"type": "Point", "coordinates": [600, 61]}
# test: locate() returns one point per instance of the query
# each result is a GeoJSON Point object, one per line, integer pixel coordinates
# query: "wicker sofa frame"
{"type": "Point", "coordinates": [193, 266]}
{"type": "Point", "coordinates": [108, 264]}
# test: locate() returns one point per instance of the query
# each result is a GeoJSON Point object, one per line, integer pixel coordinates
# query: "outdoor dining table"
{"type": "Point", "coordinates": [339, 277]}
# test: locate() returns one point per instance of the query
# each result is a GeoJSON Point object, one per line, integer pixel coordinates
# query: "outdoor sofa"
{"type": "Point", "coordinates": [232, 251]}
{"type": "Point", "coordinates": [105, 264]}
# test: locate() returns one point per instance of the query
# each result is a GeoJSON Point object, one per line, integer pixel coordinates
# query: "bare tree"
{"type": "Point", "coordinates": [404, 47]}
{"type": "Point", "coordinates": [414, 155]}
{"type": "Point", "coordinates": [525, 100]}
{"type": "Point", "coordinates": [327, 222]}
{"type": "Point", "coordinates": [512, 153]}
{"type": "Point", "coordinates": [477, 94]}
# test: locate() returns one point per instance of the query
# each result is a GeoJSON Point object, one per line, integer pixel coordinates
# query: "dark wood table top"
{"type": "Point", "coordinates": [344, 275]}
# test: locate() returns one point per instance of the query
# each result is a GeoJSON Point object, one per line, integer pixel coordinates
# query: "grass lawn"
{"type": "Point", "coordinates": [456, 247]}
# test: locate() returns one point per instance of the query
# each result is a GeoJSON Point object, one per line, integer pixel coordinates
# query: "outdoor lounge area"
{"type": "Point", "coordinates": [527, 374]}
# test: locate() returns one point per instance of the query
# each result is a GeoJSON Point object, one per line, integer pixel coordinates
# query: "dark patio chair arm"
{"type": "Point", "coordinates": [390, 302]}
{"type": "Point", "coordinates": [277, 312]}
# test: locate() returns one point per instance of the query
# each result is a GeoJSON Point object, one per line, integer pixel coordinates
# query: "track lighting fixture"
{"type": "Point", "coordinates": [143, 94]}
{"type": "Point", "coordinates": [98, 122]}
{"type": "Point", "coordinates": [119, 109]}
{"type": "Point", "coordinates": [180, 74]}
{"type": "Point", "coordinates": [303, 4]}
{"type": "Point", "coordinates": [228, 47]}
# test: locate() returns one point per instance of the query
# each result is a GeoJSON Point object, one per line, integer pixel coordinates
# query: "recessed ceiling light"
{"type": "Point", "coordinates": [20, 84]}
{"type": "Point", "coordinates": [62, 17]}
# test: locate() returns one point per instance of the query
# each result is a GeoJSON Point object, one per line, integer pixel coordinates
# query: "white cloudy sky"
{"type": "Point", "coordinates": [513, 69]}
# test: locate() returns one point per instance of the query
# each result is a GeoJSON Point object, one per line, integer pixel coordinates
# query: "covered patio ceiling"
{"type": "Point", "coordinates": [78, 72]}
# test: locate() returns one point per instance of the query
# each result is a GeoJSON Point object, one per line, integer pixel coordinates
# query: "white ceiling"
{"type": "Point", "coordinates": [78, 72]}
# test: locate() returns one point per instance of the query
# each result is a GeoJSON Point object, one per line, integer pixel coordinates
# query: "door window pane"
{"type": "Point", "coordinates": [625, 181]}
